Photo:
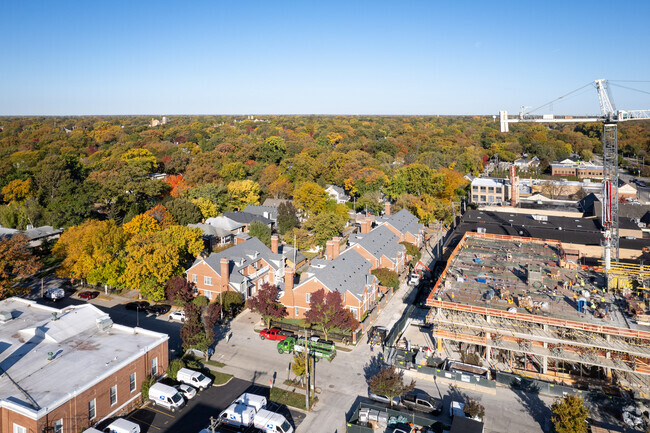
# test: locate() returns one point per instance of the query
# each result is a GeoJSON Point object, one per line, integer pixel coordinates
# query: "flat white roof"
{"type": "Point", "coordinates": [486, 181]}
{"type": "Point", "coordinates": [83, 354]}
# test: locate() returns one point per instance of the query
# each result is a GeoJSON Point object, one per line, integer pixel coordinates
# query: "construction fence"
{"type": "Point", "coordinates": [397, 329]}
{"type": "Point", "coordinates": [418, 419]}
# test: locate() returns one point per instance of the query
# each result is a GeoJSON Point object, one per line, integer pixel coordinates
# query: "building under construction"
{"type": "Point", "coordinates": [525, 306]}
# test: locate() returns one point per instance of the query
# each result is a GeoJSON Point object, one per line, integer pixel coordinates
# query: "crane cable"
{"type": "Point", "coordinates": [630, 88]}
{"type": "Point", "coordinates": [561, 97]}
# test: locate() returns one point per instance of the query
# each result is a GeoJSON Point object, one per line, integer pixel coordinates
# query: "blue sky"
{"type": "Point", "coordinates": [304, 57]}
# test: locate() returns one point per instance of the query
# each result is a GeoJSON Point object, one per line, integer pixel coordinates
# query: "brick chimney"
{"type": "Point", "coordinates": [225, 274]}
{"type": "Point", "coordinates": [366, 225]}
{"type": "Point", "coordinates": [274, 244]}
{"type": "Point", "coordinates": [288, 279]}
{"type": "Point", "coordinates": [329, 250]}
{"type": "Point", "coordinates": [336, 247]}
{"type": "Point", "coordinates": [387, 208]}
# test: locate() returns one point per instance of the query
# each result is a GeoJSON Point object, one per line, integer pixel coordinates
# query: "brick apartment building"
{"type": "Point", "coordinates": [67, 369]}
{"type": "Point", "coordinates": [242, 268]}
{"type": "Point", "coordinates": [577, 169]}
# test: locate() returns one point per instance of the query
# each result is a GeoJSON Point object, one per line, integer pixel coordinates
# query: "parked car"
{"type": "Point", "coordinates": [274, 334]}
{"type": "Point", "coordinates": [422, 402]}
{"type": "Point", "coordinates": [414, 279]}
{"type": "Point", "coordinates": [137, 305]}
{"type": "Point", "coordinates": [178, 315]}
{"type": "Point", "coordinates": [158, 309]}
{"type": "Point", "coordinates": [194, 378]}
{"type": "Point", "coordinates": [54, 294]}
{"type": "Point", "coordinates": [383, 399]}
{"type": "Point", "coordinates": [186, 391]}
{"type": "Point", "coordinates": [88, 294]}
{"type": "Point", "coordinates": [641, 183]}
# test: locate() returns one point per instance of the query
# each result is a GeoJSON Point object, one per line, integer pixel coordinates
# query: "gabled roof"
{"type": "Point", "coordinates": [405, 222]}
{"type": "Point", "coordinates": [275, 202]}
{"type": "Point", "coordinates": [224, 223]}
{"type": "Point", "coordinates": [381, 242]}
{"type": "Point", "coordinates": [348, 272]}
{"type": "Point", "coordinates": [210, 230]}
{"type": "Point", "coordinates": [270, 212]}
{"type": "Point", "coordinates": [246, 218]}
{"type": "Point", "coordinates": [240, 257]}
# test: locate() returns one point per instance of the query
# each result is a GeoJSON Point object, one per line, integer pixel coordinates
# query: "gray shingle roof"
{"type": "Point", "coordinates": [246, 218]}
{"type": "Point", "coordinates": [270, 212]}
{"type": "Point", "coordinates": [241, 256]}
{"type": "Point", "coordinates": [381, 242]}
{"type": "Point", "coordinates": [210, 230]}
{"type": "Point", "coordinates": [347, 272]}
{"type": "Point", "coordinates": [405, 222]}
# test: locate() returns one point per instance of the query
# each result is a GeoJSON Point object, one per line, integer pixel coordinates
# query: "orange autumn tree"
{"type": "Point", "coordinates": [162, 216]}
{"type": "Point", "coordinates": [178, 184]}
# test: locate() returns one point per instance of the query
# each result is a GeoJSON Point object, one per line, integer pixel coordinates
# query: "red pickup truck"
{"type": "Point", "coordinates": [274, 334]}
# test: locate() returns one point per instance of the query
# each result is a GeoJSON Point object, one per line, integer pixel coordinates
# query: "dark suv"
{"type": "Point", "coordinates": [422, 402]}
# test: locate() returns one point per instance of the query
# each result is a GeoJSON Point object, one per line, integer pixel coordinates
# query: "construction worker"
{"type": "Point", "coordinates": [602, 299]}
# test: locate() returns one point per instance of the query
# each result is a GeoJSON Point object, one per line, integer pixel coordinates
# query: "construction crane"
{"type": "Point", "coordinates": [609, 116]}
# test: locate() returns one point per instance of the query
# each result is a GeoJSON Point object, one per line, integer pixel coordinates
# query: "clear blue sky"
{"type": "Point", "coordinates": [321, 57]}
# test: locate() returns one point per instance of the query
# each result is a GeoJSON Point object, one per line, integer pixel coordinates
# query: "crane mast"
{"type": "Point", "coordinates": [609, 116]}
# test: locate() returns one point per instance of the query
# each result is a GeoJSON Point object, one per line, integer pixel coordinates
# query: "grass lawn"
{"type": "Point", "coordinates": [215, 363]}
{"type": "Point", "coordinates": [293, 399]}
{"type": "Point", "coordinates": [220, 378]}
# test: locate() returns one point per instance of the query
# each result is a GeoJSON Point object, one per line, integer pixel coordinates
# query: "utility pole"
{"type": "Point", "coordinates": [306, 371]}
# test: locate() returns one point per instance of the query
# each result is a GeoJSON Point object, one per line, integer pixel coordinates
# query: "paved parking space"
{"type": "Point", "coordinates": [197, 412]}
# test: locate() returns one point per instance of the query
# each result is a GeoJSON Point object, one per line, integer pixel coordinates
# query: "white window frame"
{"type": "Point", "coordinates": [308, 298]}
{"type": "Point", "coordinates": [133, 384]}
{"type": "Point", "coordinates": [92, 404]}
{"type": "Point", "coordinates": [113, 395]}
{"type": "Point", "coordinates": [19, 429]}
{"type": "Point", "coordinates": [58, 426]}
{"type": "Point", "coordinates": [154, 366]}
{"type": "Point", "coordinates": [194, 278]}
{"type": "Point", "coordinates": [296, 312]}
{"type": "Point", "coordinates": [207, 281]}
{"type": "Point", "coordinates": [207, 294]}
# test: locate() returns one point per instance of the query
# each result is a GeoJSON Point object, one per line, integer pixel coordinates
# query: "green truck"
{"type": "Point", "coordinates": [317, 347]}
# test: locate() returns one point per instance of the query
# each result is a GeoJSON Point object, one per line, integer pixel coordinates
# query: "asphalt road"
{"type": "Point", "coordinates": [197, 412]}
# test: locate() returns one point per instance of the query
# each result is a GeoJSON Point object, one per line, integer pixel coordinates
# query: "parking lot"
{"type": "Point", "coordinates": [197, 412]}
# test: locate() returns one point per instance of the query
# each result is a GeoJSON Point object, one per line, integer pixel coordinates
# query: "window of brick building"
{"type": "Point", "coordinates": [91, 409]}
{"type": "Point", "coordinates": [132, 382]}
{"type": "Point", "coordinates": [113, 395]}
{"type": "Point", "coordinates": [154, 366]}
{"type": "Point", "coordinates": [207, 281]}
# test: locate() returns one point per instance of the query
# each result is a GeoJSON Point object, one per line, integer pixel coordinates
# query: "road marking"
{"type": "Point", "coordinates": [164, 413]}
{"type": "Point", "coordinates": [144, 422]}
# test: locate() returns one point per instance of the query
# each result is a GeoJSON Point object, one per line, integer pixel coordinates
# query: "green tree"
{"type": "Point", "coordinates": [326, 226]}
{"type": "Point", "coordinates": [273, 149]}
{"type": "Point", "coordinates": [260, 231]}
{"type": "Point", "coordinates": [390, 382]}
{"type": "Point", "coordinates": [287, 217]}
{"type": "Point", "coordinates": [298, 366]}
{"type": "Point", "coordinates": [386, 277]}
{"type": "Point", "coordinates": [474, 409]}
{"type": "Point", "coordinates": [184, 211]}
{"type": "Point", "coordinates": [413, 251]}
{"type": "Point", "coordinates": [570, 415]}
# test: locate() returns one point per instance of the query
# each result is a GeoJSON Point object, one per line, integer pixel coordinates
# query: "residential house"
{"type": "Point", "coordinates": [214, 236]}
{"type": "Point", "coordinates": [243, 268]}
{"type": "Point", "coordinates": [245, 219]}
{"type": "Point", "coordinates": [269, 212]}
{"type": "Point", "coordinates": [348, 273]}
{"type": "Point", "coordinates": [381, 247]}
{"type": "Point", "coordinates": [36, 235]}
{"type": "Point", "coordinates": [526, 164]}
{"type": "Point", "coordinates": [337, 193]}
{"type": "Point", "coordinates": [406, 226]}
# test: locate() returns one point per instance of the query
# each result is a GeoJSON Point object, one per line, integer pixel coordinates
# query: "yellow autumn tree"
{"type": "Point", "coordinates": [142, 223]}
{"type": "Point", "coordinates": [310, 197]}
{"type": "Point", "coordinates": [243, 192]}
{"type": "Point", "coordinates": [207, 208]}
{"type": "Point", "coordinates": [17, 191]}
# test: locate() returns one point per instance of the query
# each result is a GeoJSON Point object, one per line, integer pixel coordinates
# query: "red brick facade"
{"type": "Point", "coordinates": [74, 413]}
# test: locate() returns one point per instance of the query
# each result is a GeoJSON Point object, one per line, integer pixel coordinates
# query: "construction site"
{"type": "Point", "coordinates": [525, 306]}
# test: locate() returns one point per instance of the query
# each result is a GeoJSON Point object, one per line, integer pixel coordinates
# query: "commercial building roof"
{"type": "Point", "coordinates": [487, 181]}
{"type": "Point", "coordinates": [85, 347]}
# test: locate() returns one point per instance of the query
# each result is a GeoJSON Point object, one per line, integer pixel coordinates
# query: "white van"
{"type": "Point", "coordinates": [194, 378]}
{"type": "Point", "coordinates": [271, 422]}
{"type": "Point", "coordinates": [165, 396]}
{"type": "Point", "coordinates": [91, 430]}
{"type": "Point", "coordinates": [121, 425]}
{"type": "Point", "coordinates": [238, 415]}
{"type": "Point", "coordinates": [255, 401]}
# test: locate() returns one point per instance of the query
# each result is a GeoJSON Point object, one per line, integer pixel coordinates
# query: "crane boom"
{"type": "Point", "coordinates": [609, 116]}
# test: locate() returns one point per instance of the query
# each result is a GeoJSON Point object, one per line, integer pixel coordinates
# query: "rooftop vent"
{"type": "Point", "coordinates": [50, 356]}
{"type": "Point", "coordinates": [540, 217]}
{"type": "Point", "coordinates": [54, 318]}
{"type": "Point", "coordinates": [104, 323]}
{"type": "Point", "coordinates": [5, 316]}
